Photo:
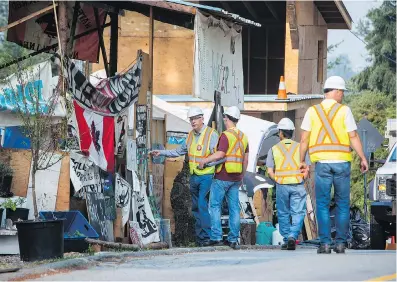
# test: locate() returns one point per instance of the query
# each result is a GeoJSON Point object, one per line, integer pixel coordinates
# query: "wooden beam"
{"type": "Point", "coordinates": [114, 39]}
{"type": "Point", "coordinates": [24, 19]}
{"type": "Point", "coordinates": [168, 6]}
{"type": "Point", "coordinates": [73, 28]}
{"type": "Point", "coordinates": [48, 48]}
{"type": "Point", "coordinates": [105, 7]}
{"type": "Point", "coordinates": [251, 10]}
{"type": "Point", "coordinates": [272, 10]}
{"type": "Point", "coordinates": [249, 61]}
{"type": "Point", "coordinates": [293, 25]}
{"type": "Point", "coordinates": [101, 42]}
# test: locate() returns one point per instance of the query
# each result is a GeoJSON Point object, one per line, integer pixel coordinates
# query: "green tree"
{"type": "Point", "coordinates": [379, 31]}
{"type": "Point", "coordinates": [376, 107]}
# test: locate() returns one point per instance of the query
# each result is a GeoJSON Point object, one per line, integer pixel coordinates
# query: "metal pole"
{"type": "Point", "coordinates": [365, 175]}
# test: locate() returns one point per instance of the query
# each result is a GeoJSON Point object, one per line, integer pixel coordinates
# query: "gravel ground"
{"type": "Point", "coordinates": [14, 261]}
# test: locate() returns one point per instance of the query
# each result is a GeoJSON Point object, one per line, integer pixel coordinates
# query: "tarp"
{"type": "Point", "coordinates": [40, 32]}
{"type": "Point", "coordinates": [218, 60]}
{"type": "Point", "coordinates": [37, 81]}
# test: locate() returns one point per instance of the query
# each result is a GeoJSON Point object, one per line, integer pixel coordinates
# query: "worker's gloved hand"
{"type": "Point", "coordinates": [154, 153]}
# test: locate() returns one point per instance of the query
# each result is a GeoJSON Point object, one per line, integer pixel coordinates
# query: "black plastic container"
{"type": "Point", "coordinates": [1, 215]}
{"type": "Point", "coordinates": [19, 213]}
{"type": "Point", "coordinates": [76, 228]}
{"type": "Point", "coordinates": [39, 240]}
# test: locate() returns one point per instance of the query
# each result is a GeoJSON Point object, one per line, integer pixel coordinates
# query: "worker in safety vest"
{"type": "Point", "coordinates": [233, 147]}
{"type": "Point", "coordinates": [328, 132]}
{"type": "Point", "coordinates": [200, 143]}
{"type": "Point", "coordinates": [283, 167]}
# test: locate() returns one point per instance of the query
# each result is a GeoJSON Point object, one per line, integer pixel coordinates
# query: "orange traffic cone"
{"type": "Point", "coordinates": [282, 92]}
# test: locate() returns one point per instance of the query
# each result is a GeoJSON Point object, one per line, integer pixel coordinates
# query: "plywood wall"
{"type": "Point", "coordinates": [173, 52]}
{"type": "Point", "coordinates": [20, 161]}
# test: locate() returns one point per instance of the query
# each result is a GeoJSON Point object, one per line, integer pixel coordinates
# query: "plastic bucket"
{"type": "Point", "coordinates": [264, 233]}
{"type": "Point", "coordinates": [19, 213]}
{"type": "Point", "coordinates": [39, 240]}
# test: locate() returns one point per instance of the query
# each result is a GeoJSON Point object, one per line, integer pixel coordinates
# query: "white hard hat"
{"type": "Point", "coordinates": [286, 124]}
{"type": "Point", "coordinates": [233, 111]}
{"type": "Point", "coordinates": [335, 82]}
{"type": "Point", "coordinates": [194, 111]}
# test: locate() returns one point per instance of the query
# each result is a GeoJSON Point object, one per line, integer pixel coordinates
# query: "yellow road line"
{"type": "Point", "coordinates": [384, 278]}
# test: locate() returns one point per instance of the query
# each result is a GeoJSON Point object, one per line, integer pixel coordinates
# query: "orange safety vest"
{"type": "Point", "coordinates": [329, 139]}
{"type": "Point", "coordinates": [197, 151]}
{"type": "Point", "coordinates": [286, 161]}
{"type": "Point", "coordinates": [234, 156]}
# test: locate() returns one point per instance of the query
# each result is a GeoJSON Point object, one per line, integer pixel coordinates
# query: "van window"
{"type": "Point", "coordinates": [393, 156]}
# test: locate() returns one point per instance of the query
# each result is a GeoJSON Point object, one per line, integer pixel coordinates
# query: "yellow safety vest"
{"type": "Point", "coordinates": [238, 143]}
{"type": "Point", "coordinates": [199, 150]}
{"type": "Point", "coordinates": [329, 139]}
{"type": "Point", "coordinates": [286, 161]}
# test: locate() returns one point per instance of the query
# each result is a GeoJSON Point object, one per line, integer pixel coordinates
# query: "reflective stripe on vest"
{"type": "Point", "coordinates": [234, 156]}
{"type": "Point", "coordinates": [287, 169]}
{"type": "Point", "coordinates": [198, 151]}
{"type": "Point", "coordinates": [327, 130]}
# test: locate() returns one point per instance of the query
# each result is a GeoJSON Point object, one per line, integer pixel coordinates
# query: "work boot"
{"type": "Point", "coordinates": [284, 246]}
{"type": "Point", "coordinates": [339, 248]}
{"type": "Point", "coordinates": [291, 244]}
{"type": "Point", "coordinates": [234, 245]}
{"type": "Point", "coordinates": [211, 243]}
{"type": "Point", "coordinates": [324, 249]}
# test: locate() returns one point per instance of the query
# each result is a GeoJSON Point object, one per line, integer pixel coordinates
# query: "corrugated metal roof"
{"type": "Point", "coordinates": [217, 11]}
{"type": "Point", "coordinates": [247, 98]}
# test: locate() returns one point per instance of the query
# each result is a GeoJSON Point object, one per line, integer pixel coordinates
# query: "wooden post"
{"type": "Point", "coordinates": [114, 39]}
{"type": "Point", "coordinates": [249, 61]}
{"type": "Point", "coordinates": [101, 42]}
{"type": "Point", "coordinates": [69, 51]}
{"type": "Point", "coordinates": [63, 25]}
{"type": "Point", "coordinates": [150, 95]}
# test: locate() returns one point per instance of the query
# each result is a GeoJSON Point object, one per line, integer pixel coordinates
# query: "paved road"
{"type": "Point", "coordinates": [300, 265]}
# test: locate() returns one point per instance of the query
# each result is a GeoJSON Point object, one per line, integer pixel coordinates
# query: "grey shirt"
{"type": "Point", "coordinates": [182, 150]}
{"type": "Point", "coordinates": [270, 159]}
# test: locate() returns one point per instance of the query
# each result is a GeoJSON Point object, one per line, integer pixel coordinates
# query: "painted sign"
{"type": "Point", "coordinates": [218, 62]}
{"type": "Point", "coordinates": [142, 214]}
{"type": "Point", "coordinates": [40, 32]}
{"type": "Point", "coordinates": [22, 92]}
{"type": "Point", "coordinates": [121, 126]}
{"type": "Point", "coordinates": [131, 155]}
{"type": "Point", "coordinates": [141, 124]}
{"type": "Point", "coordinates": [123, 197]}
{"type": "Point", "coordinates": [96, 208]}
{"type": "Point", "coordinates": [84, 175]}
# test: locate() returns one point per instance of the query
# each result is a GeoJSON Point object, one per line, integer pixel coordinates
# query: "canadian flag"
{"type": "Point", "coordinates": [96, 137]}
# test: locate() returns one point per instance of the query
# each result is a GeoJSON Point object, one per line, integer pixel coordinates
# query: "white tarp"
{"type": "Point", "coordinates": [37, 80]}
{"type": "Point", "coordinates": [218, 60]}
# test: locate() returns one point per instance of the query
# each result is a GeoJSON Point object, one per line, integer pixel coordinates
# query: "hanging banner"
{"type": "Point", "coordinates": [40, 32]}
{"type": "Point", "coordinates": [142, 214]}
{"type": "Point", "coordinates": [158, 185]}
{"type": "Point", "coordinates": [20, 92]}
{"type": "Point", "coordinates": [84, 175]}
{"type": "Point", "coordinates": [96, 137]}
{"type": "Point", "coordinates": [111, 95]}
{"type": "Point", "coordinates": [120, 123]}
{"type": "Point", "coordinates": [218, 61]}
{"type": "Point", "coordinates": [123, 197]}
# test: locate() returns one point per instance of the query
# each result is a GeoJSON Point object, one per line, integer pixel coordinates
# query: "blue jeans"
{"type": "Point", "coordinates": [337, 174]}
{"type": "Point", "coordinates": [220, 189]}
{"type": "Point", "coordinates": [291, 209]}
{"type": "Point", "coordinates": [199, 188]}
